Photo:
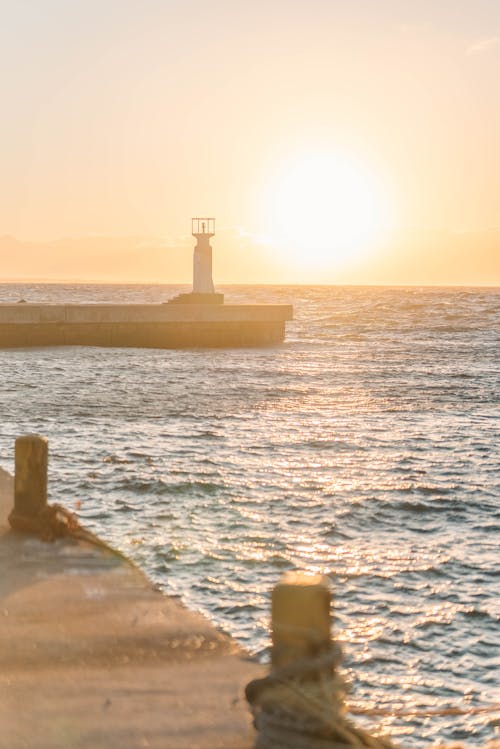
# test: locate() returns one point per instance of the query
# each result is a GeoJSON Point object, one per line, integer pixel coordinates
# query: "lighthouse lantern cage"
{"type": "Point", "coordinates": [203, 227]}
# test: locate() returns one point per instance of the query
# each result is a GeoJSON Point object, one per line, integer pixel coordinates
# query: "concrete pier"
{"type": "Point", "coordinates": [92, 657]}
{"type": "Point", "coordinates": [143, 325]}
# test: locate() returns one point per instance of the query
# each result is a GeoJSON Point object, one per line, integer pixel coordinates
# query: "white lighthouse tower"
{"type": "Point", "coordinates": [203, 229]}
{"type": "Point", "coordinates": [203, 286]}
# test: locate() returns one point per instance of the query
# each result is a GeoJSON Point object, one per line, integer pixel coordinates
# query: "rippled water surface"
{"type": "Point", "coordinates": [365, 447]}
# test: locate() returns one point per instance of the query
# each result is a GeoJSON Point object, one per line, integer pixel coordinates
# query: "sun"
{"type": "Point", "coordinates": [325, 210]}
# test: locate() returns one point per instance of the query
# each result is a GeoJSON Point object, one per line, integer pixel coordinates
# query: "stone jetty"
{"type": "Point", "coordinates": [164, 326]}
{"type": "Point", "coordinates": [91, 656]}
{"type": "Point", "coordinates": [198, 319]}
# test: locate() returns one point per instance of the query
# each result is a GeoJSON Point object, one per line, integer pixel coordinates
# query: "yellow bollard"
{"type": "Point", "coordinates": [301, 619]}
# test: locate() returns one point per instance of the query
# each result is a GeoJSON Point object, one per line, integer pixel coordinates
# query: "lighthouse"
{"type": "Point", "coordinates": [202, 229]}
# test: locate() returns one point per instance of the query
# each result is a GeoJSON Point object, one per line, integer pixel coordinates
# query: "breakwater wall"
{"type": "Point", "coordinates": [142, 325]}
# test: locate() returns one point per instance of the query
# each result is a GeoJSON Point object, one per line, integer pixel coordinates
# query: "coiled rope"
{"type": "Point", "coordinates": [301, 706]}
{"type": "Point", "coordinates": [55, 521]}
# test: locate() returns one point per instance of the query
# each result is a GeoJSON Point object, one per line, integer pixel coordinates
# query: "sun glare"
{"type": "Point", "coordinates": [326, 211]}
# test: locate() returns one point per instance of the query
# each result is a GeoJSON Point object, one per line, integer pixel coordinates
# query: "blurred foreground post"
{"type": "Point", "coordinates": [30, 481]}
{"type": "Point", "coordinates": [300, 705]}
{"type": "Point", "coordinates": [300, 614]}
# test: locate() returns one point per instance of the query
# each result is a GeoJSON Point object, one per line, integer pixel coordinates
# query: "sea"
{"type": "Point", "coordinates": [365, 448]}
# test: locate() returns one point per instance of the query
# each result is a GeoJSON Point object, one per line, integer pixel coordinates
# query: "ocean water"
{"type": "Point", "coordinates": [366, 447]}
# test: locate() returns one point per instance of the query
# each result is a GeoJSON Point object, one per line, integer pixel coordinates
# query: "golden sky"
{"type": "Point", "coordinates": [335, 142]}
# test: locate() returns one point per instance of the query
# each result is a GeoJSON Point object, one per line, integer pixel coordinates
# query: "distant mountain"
{"type": "Point", "coordinates": [94, 258]}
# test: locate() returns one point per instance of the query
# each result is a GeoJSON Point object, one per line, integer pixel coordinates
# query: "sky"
{"type": "Point", "coordinates": [334, 142]}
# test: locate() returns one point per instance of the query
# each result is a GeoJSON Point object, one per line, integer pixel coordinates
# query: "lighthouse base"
{"type": "Point", "coordinates": [197, 298]}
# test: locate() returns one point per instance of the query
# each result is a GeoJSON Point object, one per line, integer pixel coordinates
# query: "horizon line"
{"type": "Point", "coordinates": [97, 282]}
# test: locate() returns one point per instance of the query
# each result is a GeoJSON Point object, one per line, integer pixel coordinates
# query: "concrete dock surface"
{"type": "Point", "coordinates": [92, 656]}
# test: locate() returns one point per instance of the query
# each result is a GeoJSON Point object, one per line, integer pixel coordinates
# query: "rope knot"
{"type": "Point", "coordinates": [301, 706]}
{"type": "Point", "coordinates": [52, 522]}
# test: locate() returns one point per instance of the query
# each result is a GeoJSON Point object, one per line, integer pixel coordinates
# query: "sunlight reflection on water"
{"type": "Point", "coordinates": [365, 447]}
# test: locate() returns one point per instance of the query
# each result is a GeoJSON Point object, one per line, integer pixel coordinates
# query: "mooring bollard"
{"type": "Point", "coordinates": [301, 702]}
{"type": "Point", "coordinates": [301, 619]}
{"type": "Point", "coordinates": [31, 513]}
{"type": "Point", "coordinates": [30, 481]}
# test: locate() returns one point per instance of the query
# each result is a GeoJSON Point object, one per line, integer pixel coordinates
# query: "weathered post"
{"type": "Point", "coordinates": [300, 614]}
{"type": "Point", "coordinates": [301, 703]}
{"type": "Point", "coordinates": [302, 697]}
{"type": "Point", "coordinates": [31, 513]}
{"type": "Point", "coordinates": [30, 481]}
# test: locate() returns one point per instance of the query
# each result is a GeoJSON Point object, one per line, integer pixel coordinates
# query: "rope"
{"type": "Point", "coordinates": [55, 521]}
{"type": "Point", "coordinates": [301, 706]}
